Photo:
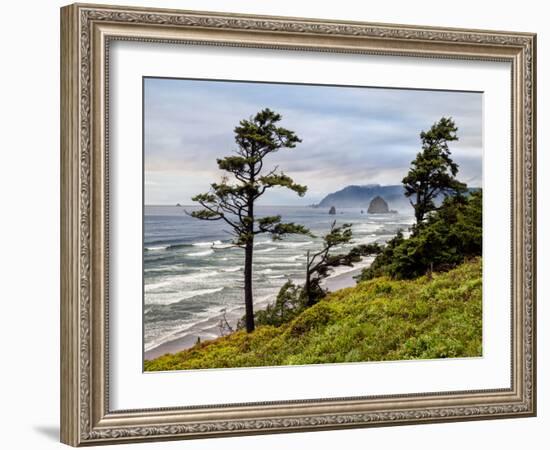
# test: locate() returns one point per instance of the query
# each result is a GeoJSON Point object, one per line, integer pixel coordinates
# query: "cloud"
{"type": "Point", "coordinates": [350, 135]}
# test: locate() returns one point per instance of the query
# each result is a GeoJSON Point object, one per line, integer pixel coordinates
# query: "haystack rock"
{"type": "Point", "coordinates": [378, 206]}
{"type": "Point", "coordinates": [332, 210]}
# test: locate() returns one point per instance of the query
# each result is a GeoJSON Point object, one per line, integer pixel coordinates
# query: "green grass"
{"type": "Point", "coordinates": [378, 320]}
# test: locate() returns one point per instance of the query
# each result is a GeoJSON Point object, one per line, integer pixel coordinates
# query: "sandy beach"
{"type": "Point", "coordinates": [341, 281]}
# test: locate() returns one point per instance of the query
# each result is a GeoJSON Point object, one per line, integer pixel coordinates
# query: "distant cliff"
{"type": "Point", "coordinates": [361, 196]}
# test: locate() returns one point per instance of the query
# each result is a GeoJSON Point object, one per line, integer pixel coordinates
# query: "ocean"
{"type": "Point", "coordinates": [193, 276]}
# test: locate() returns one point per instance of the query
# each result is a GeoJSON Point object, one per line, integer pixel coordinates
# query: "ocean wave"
{"type": "Point", "coordinates": [265, 242]}
{"type": "Point", "coordinates": [294, 258]}
{"type": "Point", "coordinates": [201, 275]}
{"type": "Point", "coordinates": [266, 250]}
{"type": "Point", "coordinates": [156, 248]}
{"type": "Point", "coordinates": [156, 300]}
{"type": "Point", "coordinates": [176, 246]}
{"type": "Point", "coordinates": [206, 244]}
{"type": "Point", "coordinates": [158, 285]}
{"type": "Point", "coordinates": [222, 246]}
{"type": "Point", "coordinates": [294, 244]}
{"type": "Point", "coordinates": [179, 279]}
{"type": "Point", "coordinates": [232, 269]}
{"type": "Point", "coordinates": [205, 253]}
{"type": "Point", "coordinates": [367, 228]}
{"type": "Point", "coordinates": [178, 268]}
{"type": "Point", "coordinates": [369, 239]}
{"type": "Point", "coordinates": [170, 268]}
{"type": "Point", "coordinates": [273, 277]}
{"type": "Point", "coordinates": [166, 247]}
{"type": "Point", "coordinates": [283, 264]}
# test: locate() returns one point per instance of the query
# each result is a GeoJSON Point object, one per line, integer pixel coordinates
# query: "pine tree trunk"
{"type": "Point", "coordinates": [307, 285]}
{"type": "Point", "coordinates": [309, 294]}
{"type": "Point", "coordinates": [418, 210]}
{"type": "Point", "coordinates": [248, 299]}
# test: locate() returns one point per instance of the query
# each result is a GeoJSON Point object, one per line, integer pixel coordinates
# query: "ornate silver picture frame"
{"type": "Point", "coordinates": [87, 33]}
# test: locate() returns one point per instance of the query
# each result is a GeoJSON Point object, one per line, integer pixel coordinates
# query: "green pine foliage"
{"type": "Point", "coordinates": [447, 237]}
{"type": "Point", "coordinates": [383, 319]}
{"type": "Point", "coordinates": [290, 302]}
{"type": "Point", "coordinates": [232, 201]}
{"type": "Point", "coordinates": [433, 172]}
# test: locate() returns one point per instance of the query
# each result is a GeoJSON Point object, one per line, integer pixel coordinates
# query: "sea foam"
{"type": "Point", "coordinates": [156, 248]}
{"type": "Point", "coordinates": [266, 250]}
{"type": "Point", "coordinates": [205, 253]}
{"type": "Point", "coordinates": [169, 300]}
{"type": "Point", "coordinates": [294, 244]}
{"type": "Point", "coordinates": [207, 244]}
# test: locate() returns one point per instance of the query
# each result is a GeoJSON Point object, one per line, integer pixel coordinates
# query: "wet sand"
{"type": "Point", "coordinates": [342, 281]}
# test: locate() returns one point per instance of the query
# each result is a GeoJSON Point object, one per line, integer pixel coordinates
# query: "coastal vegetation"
{"type": "Point", "coordinates": [383, 319]}
{"type": "Point", "coordinates": [448, 237]}
{"type": "Point", "coordinates": [320, 263]}
{"type": "Point", "coordinates": [292, 299]}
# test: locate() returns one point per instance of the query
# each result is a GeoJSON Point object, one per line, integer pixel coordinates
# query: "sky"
{"type": "Point", "coordinates": [350, 135]}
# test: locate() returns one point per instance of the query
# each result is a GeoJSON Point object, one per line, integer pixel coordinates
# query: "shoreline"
{"type": "Point", "coordinates": [208, 328]}
{"type": "Point", "coordinates": [345, 278]}
{"type": "Point", "coordinates": [342, 281]}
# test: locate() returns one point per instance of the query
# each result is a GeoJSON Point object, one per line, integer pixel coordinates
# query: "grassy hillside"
{"type": "Point", "coordinates": [377, 320]}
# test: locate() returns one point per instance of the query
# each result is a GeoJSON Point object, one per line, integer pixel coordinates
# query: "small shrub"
{"type": "Point", "coordinates": [290, 302]}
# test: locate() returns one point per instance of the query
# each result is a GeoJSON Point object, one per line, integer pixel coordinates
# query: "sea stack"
{"type": "Point", "coordinates": [332, 210]}
{"type": "Point", "coordinates": [378, 206]}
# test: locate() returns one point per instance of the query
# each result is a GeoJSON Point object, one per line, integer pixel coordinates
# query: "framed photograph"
{"type": "Point", "coordinates": [278, 224]}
